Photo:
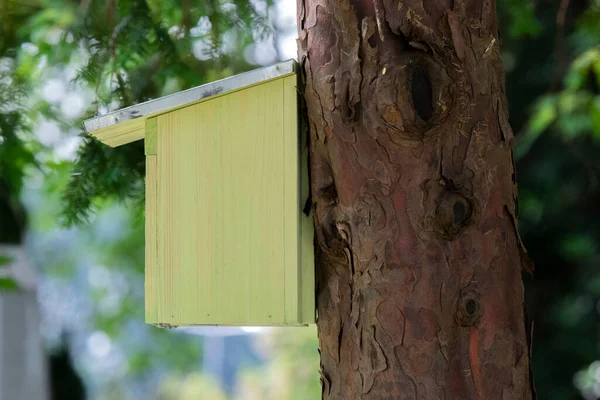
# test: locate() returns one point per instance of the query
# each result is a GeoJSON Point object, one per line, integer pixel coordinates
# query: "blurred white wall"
{"type": "Point", "coordinates": [23, 363]}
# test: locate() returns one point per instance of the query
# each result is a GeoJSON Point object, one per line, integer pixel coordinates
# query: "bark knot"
{"type": "Point", "coordinates": [469, 308]}
{"type": "Point", "coordinates": [422, 94]}
{"type": "Point", "coordinates": [453, 213]}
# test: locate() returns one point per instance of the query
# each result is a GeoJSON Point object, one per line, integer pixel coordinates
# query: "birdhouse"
{"type": "Point", "coordinates": [227, 242]}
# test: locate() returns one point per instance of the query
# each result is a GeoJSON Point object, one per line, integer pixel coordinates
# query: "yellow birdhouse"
{"type": "Point", "coordinates": [226, 180]}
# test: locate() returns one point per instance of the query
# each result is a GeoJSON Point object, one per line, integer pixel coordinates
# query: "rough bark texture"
{"type": "Point", "coordinates": [418, 256]}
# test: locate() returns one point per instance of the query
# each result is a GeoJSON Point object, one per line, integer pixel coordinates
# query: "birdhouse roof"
{"type": "Point", "coordinates": [128, 124]}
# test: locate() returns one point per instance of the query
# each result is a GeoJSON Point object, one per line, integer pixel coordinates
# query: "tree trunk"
{"type": "Point", "coordinates": [413, 187]}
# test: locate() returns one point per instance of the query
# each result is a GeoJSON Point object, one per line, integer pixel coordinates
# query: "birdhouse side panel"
{"type": "Point", "coordinates": [293, 298]}
{"type": "Point", "coordinates": [151, 244]}
{"type": "Point", "coordinates": [221, 210]}
{"type": "Point", "coordinates": [150, 139]}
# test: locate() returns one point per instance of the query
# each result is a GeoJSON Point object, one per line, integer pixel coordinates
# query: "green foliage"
{"type": "Point", "coordinates": [135, 57]}
{"type": "Point", "coordinates": [588, 30]}
{"type": "Point", "coordinates": [16, 151]}
{"type": "Point", "coordinates": [584, 70]}
{"type": "Point", "coordinates": [124, 52]}
{"type": "Point", "coordinates": [523, 18]}
{"type": "Point", "coordinates": [191, 387]}
{"type": "Point", "coordinates": [92, 180]}
{"type": "Point", "coordinates": [8, 284]}
{"type": "Point", "coordinates": [292, 372]}
{"type": "Point", "coordinates": [579, 246]}
{"type": "Point", "coordinates": [114, 53]}
{"type": "Point", "coordinates": [544, 114]}
{"type": "Point", "coordinates": [575, 110]}
{"type": "Point", "coordinates": [553, 96]}
{"type": "Point", "coordinates": [4, 261]}
{"type": "Point", "coordinates": [595, 116]}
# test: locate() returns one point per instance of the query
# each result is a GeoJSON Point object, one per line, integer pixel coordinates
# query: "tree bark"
{"type": "Point", "coordinates": [419, 261]}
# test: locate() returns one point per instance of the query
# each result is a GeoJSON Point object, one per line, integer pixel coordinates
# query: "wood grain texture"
{"type": "Point", "coordinates": [151, 241]}
{"type": "Point", "coordinates": [228, 226]}
{"type": "Point", "coordinates": [419, 260]}
{"type": "Point", "coordinates": [122, 133]}
{"type": "Point", "coordinates": [128, 137]}
{"type": "Point", "coordinates": [150, 138]}
{"type": "Point", "coordinates": [291, 195]}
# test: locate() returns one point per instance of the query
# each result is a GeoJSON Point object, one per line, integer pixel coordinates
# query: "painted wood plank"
{"type": "Point", "coordinates": [163, 289]}
{"type": "Point", "coordinates": [151, 244]}
{"type": "Point", "coordinates": [292, 202]}
{"type": "Point", "coordinates": [112, 133]}
{"type": "Point", "coordinates": [128, 137]}
{"type": "Point", "coordinates": [150, 137]}
{"type": "Point", "coordinates": [268, 242]}
{"type": "Point", "coordinates": [221, 210]}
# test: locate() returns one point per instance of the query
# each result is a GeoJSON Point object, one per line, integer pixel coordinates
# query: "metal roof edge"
{"type": "Point", "coordinates": [179, 99]}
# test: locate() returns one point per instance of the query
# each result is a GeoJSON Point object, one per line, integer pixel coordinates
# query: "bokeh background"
{"type": "Point", "coordinates": [71, 211]}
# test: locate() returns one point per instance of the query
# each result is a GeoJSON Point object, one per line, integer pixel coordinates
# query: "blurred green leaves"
{"type": "Point", "coordinates": [119, 52]}
{"type": "Point", "coordinates": [292, 371]}
{"type": "Point", "coordinates": [5, 261]}
{"type": "Point", "coordinates": [579, 246]}
{"type": "Point", "coordinates": [523, 19]}
{"type": "Point", "coordinates": [584, 70]}
{"type": "Point", "coordinates": [543, 116]}
{"type": "Point", "coordinates": [109, 53]}
{"type": "Point", "coordinates": [8, 284]}
{"type": "Point", "coordinates": [190, 387]}
{"type": "Point", "coordinates": [136, 50]}
{"type": "Point", "coordinates": [574, 111]}
{"type": "Point", "coordinates": [595, 116]}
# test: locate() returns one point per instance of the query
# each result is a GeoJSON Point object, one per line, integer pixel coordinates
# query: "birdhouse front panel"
{"type": "Point", "coordinates": [226, 180]}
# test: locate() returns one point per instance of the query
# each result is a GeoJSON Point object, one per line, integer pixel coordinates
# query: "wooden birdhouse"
{"type": "Point", "coordinates": [226, 180]}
